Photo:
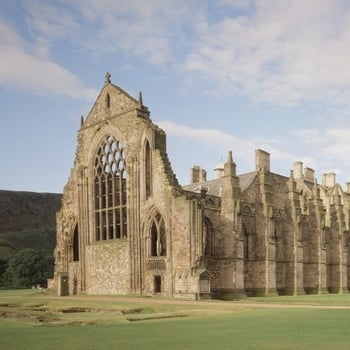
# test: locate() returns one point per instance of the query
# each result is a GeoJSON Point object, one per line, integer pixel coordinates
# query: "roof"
{"type": "Point", "coordinates": [215, 187]}
{"type": "Point", "coordinates": [245, 180]}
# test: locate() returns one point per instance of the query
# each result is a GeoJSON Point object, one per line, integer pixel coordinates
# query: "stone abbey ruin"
{"type": "Point", "coordinates": [126, 226]}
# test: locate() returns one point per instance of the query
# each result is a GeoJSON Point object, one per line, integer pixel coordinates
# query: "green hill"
{"type": "Point", "coordinates": [27, 220]}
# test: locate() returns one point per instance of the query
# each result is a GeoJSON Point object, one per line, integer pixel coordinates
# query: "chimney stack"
{"type": "Point", "coordinates": [262, 160]}
{"type": "Point", "coordinates": [198, 174]}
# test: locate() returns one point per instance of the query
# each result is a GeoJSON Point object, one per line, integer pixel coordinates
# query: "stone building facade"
{"type": "Point", "coordinates": [126, 226]}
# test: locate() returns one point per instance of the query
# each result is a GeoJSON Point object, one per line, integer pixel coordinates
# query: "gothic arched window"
{"type": "Point", "coordinates": [158, 236]}
{"type": "Point", "coordinates": [147, 169]}
{"type": "Point", "coordinates": [108, 100]}
{"type": "Point", "coordinates": [245, 244]}
{"type": "Point", "coordinates": [110, 190]}
{"type": "Point", "coordinates": [76, 244]}
{"type": "Point", "coordinates": [208, 239]}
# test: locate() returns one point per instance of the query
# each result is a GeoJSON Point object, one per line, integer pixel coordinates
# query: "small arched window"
{"type": "Point", "coordinates": [245, 243]}
{"type": "Point", "coordinates": [208, 239]}
{"type": "Point", "coordinates": [76, 244]}
{"type": "Point", "coordinates": [108, 100]}
{"type": "Point", "coordinates": [158, 237]}
{"type": "Point", "coordinates": [147, 170]}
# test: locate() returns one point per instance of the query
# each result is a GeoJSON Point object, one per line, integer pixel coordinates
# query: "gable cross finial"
{"type": "Point", "coordinates": [108, 78]}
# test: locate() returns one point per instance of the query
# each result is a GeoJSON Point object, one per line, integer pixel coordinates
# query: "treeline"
{"type": "Point", "coordinates": [26, 268]}
{"type": "Point", "coordinates": [27, 237]}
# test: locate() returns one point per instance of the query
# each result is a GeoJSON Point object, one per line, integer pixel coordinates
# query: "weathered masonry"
{"type": "Point", "coordinates": [127, 226]}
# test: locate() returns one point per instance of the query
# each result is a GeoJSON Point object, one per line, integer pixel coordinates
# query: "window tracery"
{"type": "Point", "coordinates": [110, 190]}
{"type": "Point", "coordinates": [158, 236]}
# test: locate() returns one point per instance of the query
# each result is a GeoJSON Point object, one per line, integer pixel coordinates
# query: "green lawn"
{"type": "Point", "coordinates": [192, 325]}
{"type": "Point", "coordinates": [322, 299]}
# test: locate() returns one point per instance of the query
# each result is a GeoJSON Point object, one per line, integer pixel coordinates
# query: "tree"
{"type": "Point", "coordinates": [29, 267]}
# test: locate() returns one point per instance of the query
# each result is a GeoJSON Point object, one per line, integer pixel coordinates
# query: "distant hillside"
{"type": "Point", "coordinates": [27, 220]}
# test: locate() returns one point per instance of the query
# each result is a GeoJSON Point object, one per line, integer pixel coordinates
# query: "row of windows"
{"type": "Point", "coordinates": [110, 225]}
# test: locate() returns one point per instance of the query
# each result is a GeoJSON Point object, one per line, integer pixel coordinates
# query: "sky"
{"type": "Point", "coordinates": [217, 76]}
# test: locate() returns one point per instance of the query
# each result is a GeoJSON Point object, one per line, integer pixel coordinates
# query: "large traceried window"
{"type": "Point", "coordinates": [110, 191]}
{"type": "Point", "coordinates": [158, 236]}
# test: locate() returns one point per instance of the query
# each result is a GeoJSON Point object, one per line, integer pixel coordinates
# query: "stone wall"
{"type": "Point", "coordinates": [107, 268]}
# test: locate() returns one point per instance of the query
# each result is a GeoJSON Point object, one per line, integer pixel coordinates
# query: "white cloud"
{"type": "Point", "coordinates": [322, 150]}
{"type": "Point", "coordinates": [321, 138]}
{"type": "Point", "coordinates": [242, 148]}
{"type": "Point", "coordinates": [330, 147]}
{"type": "Point", "coordinates": [212, 137]}
{"type": "Point", "coordinates": [32, 70]}
{"type": "Point", "coordinates": [53, 21]}
{"type": "Point", "coordinates": [145, 29]}
{"type": "Point", "coordinates": [236, 4]}
{"type": "Point", "coordinates": [311, 137]}
{"type": "Point", "coordinates": [284, 52]}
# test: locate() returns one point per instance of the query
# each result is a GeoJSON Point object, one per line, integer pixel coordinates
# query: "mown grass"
{"type": "Point", "coordinates": [311, 299]}
{"type": "Point", "coordinates": [204, 325]}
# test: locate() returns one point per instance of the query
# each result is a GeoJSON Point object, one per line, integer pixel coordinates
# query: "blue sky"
{"type": "Point", "coordinates": [216, 75]}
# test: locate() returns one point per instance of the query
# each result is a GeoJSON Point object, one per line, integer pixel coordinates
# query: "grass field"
{"type": "Point", "coordinates": [33, 320]}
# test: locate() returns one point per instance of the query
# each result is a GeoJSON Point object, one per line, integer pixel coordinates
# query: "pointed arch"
{"type": "Point", "coordinates": [108, 100]}
{"type": "Point", "coordinates": [75, 244]}
{"type": "Point", "coordinates": [147, 169]}
{"type": "Point", "coordinates": [110, 198]}
{"type": "Point", "coordinates": [158, 236]}
{"type": "Point", "coordinates": [246, 210]}
{"type": "Point", "coordinates": [208, 239]}
{"type": "Point", "coordinates": [245, 243]}
{"type": "Point", "coordinates": [337, 193]}
{"type": "Point", "coordinates": [204, 282]}
{"type": "Point", "coordinates": [155, 234]}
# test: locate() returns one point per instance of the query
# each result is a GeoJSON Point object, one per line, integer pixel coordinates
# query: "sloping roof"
{"type": "Point", "coordinates": [214, 186]}
{"type": "Point", "coordinates": [245, 180]}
